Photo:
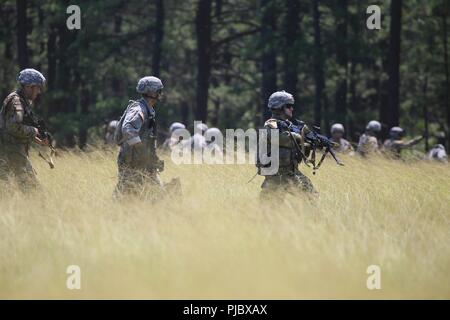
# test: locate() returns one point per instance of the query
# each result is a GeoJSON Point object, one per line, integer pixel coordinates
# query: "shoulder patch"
{"type": "Point", "coordinates": [141, 114]}
{"type": "Point", "coordinates": [271, 123]}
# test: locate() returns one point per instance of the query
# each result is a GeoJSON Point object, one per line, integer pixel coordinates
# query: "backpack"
{"type": "Point", "coordinates": [118, 132]}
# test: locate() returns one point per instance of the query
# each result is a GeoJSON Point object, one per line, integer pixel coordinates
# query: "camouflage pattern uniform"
{"type": "Point", "coordinates": [16, 136]}
{"type": "Point", "coordinates": [288, 178]}
{"type": "Point", "coordinates": [109, 132]}
{"type": "Point", "coordinates": [343, 145]}
{"type": "Point", "coordinates": [172, 142]}
{"type": "Point", "coordinates": [394, 145]}
{"type": "Point", "coordinates": [213, 152]}
{"type": "Point", "coordinates": [198, 141]}
{"type": "Point", "coordinates": [438, 153]}
{"type": "Point", "coordinates": [368, 142]}
{"type": "Point", "coordinates": [137, 161]}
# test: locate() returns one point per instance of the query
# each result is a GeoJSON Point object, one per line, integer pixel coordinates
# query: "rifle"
{"type": "Point", "coordinates": [316, 141]}
{"type": "Point", "coordinates": [43, 134]}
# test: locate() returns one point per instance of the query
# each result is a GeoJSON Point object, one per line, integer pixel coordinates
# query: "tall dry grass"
{"type": "Point", "coordinates": [219, 241]}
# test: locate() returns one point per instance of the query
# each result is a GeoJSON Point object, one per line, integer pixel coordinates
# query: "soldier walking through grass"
{"type": "Point", "coordinates": [17, 130]}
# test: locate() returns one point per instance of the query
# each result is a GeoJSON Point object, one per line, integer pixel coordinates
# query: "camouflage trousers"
{"type": "Point", "coordinates": [15, 166]}
{"type": "Point", "coordinates": [138, 182]}
{"type": "Point", "coordinates": [289, 182]}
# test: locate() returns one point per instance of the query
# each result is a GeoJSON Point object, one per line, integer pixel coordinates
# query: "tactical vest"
{"type": "Point", "coordinates": [145, 156]}
{"type": "Point", "coordinates": [148, 130]}
{"type": "Point", "coordinates": [288, 157]}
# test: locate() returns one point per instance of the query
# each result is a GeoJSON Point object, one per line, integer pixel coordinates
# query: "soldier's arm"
{"type": "Point", "coordinates": [131, 126]}
{"type": "Point", "coordinates": [14, 121]}
{"type": "Point", "coordinates": [412, 142]}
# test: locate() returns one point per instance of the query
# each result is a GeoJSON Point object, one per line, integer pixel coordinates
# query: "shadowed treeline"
{"type": "Point", "coordinates": [220, 60]}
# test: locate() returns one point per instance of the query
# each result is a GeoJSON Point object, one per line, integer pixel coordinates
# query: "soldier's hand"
{"type": "Point", "coordinates": [41, 142]}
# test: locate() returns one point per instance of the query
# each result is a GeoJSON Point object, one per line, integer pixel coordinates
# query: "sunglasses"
{"type": "Point", "coordinates": [289, 106]}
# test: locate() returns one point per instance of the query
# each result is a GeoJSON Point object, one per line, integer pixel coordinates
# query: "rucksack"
{"type": "Point", "coordinates": [118, 132]}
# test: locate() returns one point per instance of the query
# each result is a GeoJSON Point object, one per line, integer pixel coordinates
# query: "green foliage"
{"type": "Point", "coordinates": [92, 72]}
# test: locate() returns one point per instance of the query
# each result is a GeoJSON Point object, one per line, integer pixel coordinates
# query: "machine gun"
{"type": "Point", "coordinates": [315, 141]}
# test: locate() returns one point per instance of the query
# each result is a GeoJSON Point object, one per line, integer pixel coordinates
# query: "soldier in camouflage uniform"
{"type": "Point", "coordinates": [173, 141]}
{"type": "Point", "coordinates": [368, 142]}
{"type": "Point", "coordinates": [337, 134]}
{"type": "Point", "coordinates": [136, 134]}
{"type": "Point", "coordinates": [288, 177]}
{"type": "Point", "coordinates": [109, 132]}
{"type": "Point", "coordinates": [437, 153]}
{"type": "Point", "coordinates": [16, 135]}
{"type": "Point", "coordinates": [394, 145]}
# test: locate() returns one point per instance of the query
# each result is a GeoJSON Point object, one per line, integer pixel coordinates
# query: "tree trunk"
{"type": "Point", "coordinates": [22, 46]}
{"type": "Point", "coordinates": [350, 129]}
{"type": "Point", "coordinates": [203, 33]}
{"type": "Point", "coordinates": [447, 80]}
{"type": "Point", "coordinates": [41, 28]}
{"type": "Point", "coordinates": [85, 102]}
{"type": "Point", "coordinates": [51, 71]}
{"type": "Point", "coordinates": [269, 56]}
{"type": "Point", "coordinates": [291, 34]}
{"type": "Point", "coordinates": [116, 82]}
{"type": "Point", "coordinates": [159, 35]}
{"type": "Point", "coordinates": [394, 63]}
{"type": "Point", "coordinates": [342, 60]}
{"type": "Point", "coordinates": [8, 52]}
{"type": "Point", "coordinates": [66, 80]}
{"type": "Point", "coordinates": [318, 65]}
{"type": "Point", "coordinates": [353, 122]}
{"type": "Point", "coordinates": [425, 111]}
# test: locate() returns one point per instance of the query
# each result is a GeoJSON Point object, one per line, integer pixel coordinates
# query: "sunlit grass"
{"type": "Point", "coordinates": [219, 241]}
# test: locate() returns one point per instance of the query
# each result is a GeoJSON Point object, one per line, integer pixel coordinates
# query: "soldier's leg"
{"type": "Point", "coordinates": [4, 169]}
{"type": "Point", "coordinates": [152, 186]}
{"type": "Point", "coordinates": [271, 188]}
{"type": "Point", "coordinates": [22, 170]}
{"type": "Point", "coordinates": [129, 180]}
{"type": "Point", "coordinates": [303, 182]}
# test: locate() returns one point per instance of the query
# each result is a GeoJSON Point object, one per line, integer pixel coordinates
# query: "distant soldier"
{"type": "Point", "coordinates": [438, 153]}
{"type": "Point", "coordinates": [109, 132]}
{"type": "Point", "coordinates": [337, 133]}
{"type": "Point", "coordinates": [213, 147]}
{"type": "Point", "coordinates": [173, 141]}
{"type": "Point", "coordinates": [136, 135]}
{"type": "Point", "coordinates": [368, 142]}
{"type": "Point", "coordinates": [394, 145]}
{"type": "Point", "coordinates": [16, 131]}
{"type": "Point", "coordinates": [288, 176]}
{"type": "Point", "coordinates": [198, 141]}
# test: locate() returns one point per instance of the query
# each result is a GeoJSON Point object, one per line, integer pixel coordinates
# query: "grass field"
{"type": "Point", "coordinates": [219, 242]}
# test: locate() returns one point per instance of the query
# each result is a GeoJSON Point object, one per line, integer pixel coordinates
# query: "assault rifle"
{"type": "Point", "coordinates": [43, 134]}
{"type": "Point", "coordinates": [315, 141]}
